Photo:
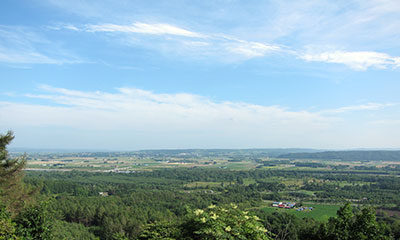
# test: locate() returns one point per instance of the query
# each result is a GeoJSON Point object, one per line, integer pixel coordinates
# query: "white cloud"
{"type": "Point", "coordinates": [144, 28]}
{"type": "Point", "coordinates": [251, 49]}
{"type": "Point", "coordinates": [229, 48]}
{"type": "Point", "coordinates": [14, 56]}
{"type": "Point", "coordinates": [187, 118]}
{"type": "Point", "coordinates": [256, 30]}
{"type": "Point", "coordinates": [134, 118]}
{"type": "Point", "coordinates": [176, 40]}
{"type": "Point", "coordinates": [70, 27]}
{"type": "Point", "coordinates": [388, 122]}
{"type": "Point", "coordinates": [368, 106]}
{"type": "Point", "coordinates": [355, 60]}
{"type": "Point", "coordinates": [22, 46]}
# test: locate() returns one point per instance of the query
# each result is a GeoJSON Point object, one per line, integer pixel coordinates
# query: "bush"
{"type": "Point", "coordinates": [212, 223]}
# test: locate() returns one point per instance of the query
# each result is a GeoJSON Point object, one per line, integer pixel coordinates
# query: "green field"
{"type": "Point", "coordinates": [321, 212]}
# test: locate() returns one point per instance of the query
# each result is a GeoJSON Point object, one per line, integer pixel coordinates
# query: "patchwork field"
{"type": "Point", "coordinates": [320, 212]}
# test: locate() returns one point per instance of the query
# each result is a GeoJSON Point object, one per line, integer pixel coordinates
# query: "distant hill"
{"type": "Point", "coordinates": [347, 155]}
{"type": "Point", "coordinates": [50, 150]}
{"type": "Point", "coordinates": [270, 152]}
{"type": "Point", "coordinates": [251, 152]}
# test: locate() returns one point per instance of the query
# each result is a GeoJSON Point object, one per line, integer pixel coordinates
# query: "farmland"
{"type": "Point", "coordinates": [319, 212]}
{"type": "Point", "coordinates": [156, 185]}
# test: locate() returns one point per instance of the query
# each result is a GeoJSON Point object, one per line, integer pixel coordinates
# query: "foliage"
{"type": "Point", "coordinates": [361, 225]}
{"type": "Point", "coordinates": [161, 230]}
{"type": "Point", "coordinates": [17, 219]}
{"type": "Point", "coordinates": [12, 190]}
{"type": "Point", "coordinates": [347, 155]}
{"type": "Point", "coordinates": [160, 196]}
{"type": "Point", "coordinates": [7, 226]}
{"type": "Point", "coordinates": [30, 224]}
{"type": "Point", "coordinates": [65, 231]}
{"type": "Point", "coordinates": [212, 223]}
{"type": "Point", "coordinates": [34, 223]}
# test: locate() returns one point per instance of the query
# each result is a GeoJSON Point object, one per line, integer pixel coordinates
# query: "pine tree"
{"type": "Point", "coordinates": [12, 192]}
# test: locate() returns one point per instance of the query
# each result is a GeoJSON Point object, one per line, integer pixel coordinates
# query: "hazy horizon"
{"type": "Point", "coordinates": [65, 150]}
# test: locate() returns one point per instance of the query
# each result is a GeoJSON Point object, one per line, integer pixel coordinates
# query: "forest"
{"type": "Point", "coordinates": [198, 202]}
{"type": "Point", "coordinates": [347, 155]}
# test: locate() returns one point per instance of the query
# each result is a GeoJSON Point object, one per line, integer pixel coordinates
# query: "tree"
{"type": "Point", "coordinates": [12, 191]}
{"type": "Point", "coordinates": [33, 223]}
{"type": "Point", "coordinates": [361, 225]}
{"type": "Point", "coordinates": [7, 226]}
{"type": "Point", "coordinates": [212, 223]}
{"type": "Point", "coordinates": [341, 226]}
{"type": "Point", "coordinates": [17, 219]}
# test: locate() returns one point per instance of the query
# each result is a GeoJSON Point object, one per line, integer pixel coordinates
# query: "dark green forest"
{"type": "Point", "coordinates": [347, 155]}
{"type": "Point", "coordinates": [194, 203]}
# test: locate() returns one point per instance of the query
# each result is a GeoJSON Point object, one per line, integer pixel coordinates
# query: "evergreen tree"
{"type": "Point", "coordinates": [12, 191]}
{"type": "Point", "coordinates": [361, 225]}
{"type": "Point", "coordinates": [7, 226]}
{"type": "Point", "coordinates": [25, 221]}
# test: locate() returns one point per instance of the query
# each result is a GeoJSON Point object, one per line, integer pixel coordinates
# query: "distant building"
{"type": "Point", "coordinates": [276, 204]}
{"type": "Point", "coordinates": [103, 194]}
{"type": "Point", "coordinates": [286, 205]}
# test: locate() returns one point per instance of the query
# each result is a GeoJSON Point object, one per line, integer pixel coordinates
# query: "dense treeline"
{"type": "Point", "coordinates": [347, 155]}
{"type": "Point", "coordinates": [329, 187]}
{"type": "Point", "coordinates": [197, 203]}
{"type": "Point", "coordinates": [137, 199]}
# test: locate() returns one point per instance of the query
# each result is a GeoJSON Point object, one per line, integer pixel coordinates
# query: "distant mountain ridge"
{"type": "Point", "coordinates": [269, 152]}
{"type": "Point", "coordinates": [51, 150]}
{"type": "Point", "coordinates": [365, 155]}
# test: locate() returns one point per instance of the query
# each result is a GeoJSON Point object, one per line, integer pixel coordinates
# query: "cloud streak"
{"type": "Point", "coordinates": [362, 107]}
{"type": "Point", "coordinates": [186, 120]}
{"type": "Point", "coordinates": [223, 46]}
{"type": "Point", "coordinates": [258, 30]}
{"type": "Point", "coordinates": [174, 39]}
{"type": "Point", "coordinates": [144, 28]}
{"type": "Point", "coordinates": [356, 60]}
{"type": "Point", "coordinates": [183, 117]}
{"type": "Point", "coordinates": [21, 46]}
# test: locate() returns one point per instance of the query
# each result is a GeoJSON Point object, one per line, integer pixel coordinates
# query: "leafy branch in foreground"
{"type": "Point", "coordinates": [212, 223]}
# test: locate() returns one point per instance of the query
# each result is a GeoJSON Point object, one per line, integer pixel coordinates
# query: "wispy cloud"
{"type": "Point", "coordinates": [185, 120]}
{"type": "Point", "coordinates": [22, 46]}
{"type": "Point", "coordinates": [258, 30]}
{"type": "Point", "coordinates": [388, 122]}
{"type": "Point", "coordinates": [144, 28]}
{"type": "Point", "coordinates": [180, 116]}
{"type": "Point", "coordinates": [361, 107]}
{"type": "Point", "coordinates": [177, 40]}
{"type": "Point", "coordinates": [251, 49]}
{"type": "Point", "coordinates": [355, 60]}
{"type": "Point", "coordinates": [229, 48]}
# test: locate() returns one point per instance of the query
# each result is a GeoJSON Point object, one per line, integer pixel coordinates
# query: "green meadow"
{"type": "Point", "coordinates": [320, 212]}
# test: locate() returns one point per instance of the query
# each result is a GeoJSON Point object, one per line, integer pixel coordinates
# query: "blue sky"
{"type": "Point", "coordinates": [126, 75]}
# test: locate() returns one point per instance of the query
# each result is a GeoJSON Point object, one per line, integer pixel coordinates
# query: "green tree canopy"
{"type": "Point", "coordinates": [212, 223]}
{"type": "Point", "coordinates": [12, 191]}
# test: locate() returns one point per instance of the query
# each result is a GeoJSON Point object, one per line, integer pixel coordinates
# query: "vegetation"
{"type": "Point", "coordinates": [194, 202]}
{"type": "Point", "coordinates": [211, 223]}
{"type": "Point", "coordinates": [18, 220]}
{"type": "Point", "coordinates": [348, 155]}
{"type": "Point", "coordinates": [12, 190]}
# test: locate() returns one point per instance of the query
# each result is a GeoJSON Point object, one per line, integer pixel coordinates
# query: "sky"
{"type": "Point", "coordinates": [176, 74]}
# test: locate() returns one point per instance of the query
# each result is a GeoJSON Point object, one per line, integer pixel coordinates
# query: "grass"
{"type": "Point", "coordinates": [321, 212]}
{"type": "Point", "coordinates": [202, 184]}
{"type": "Point", "coordinates": [240, 165]}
